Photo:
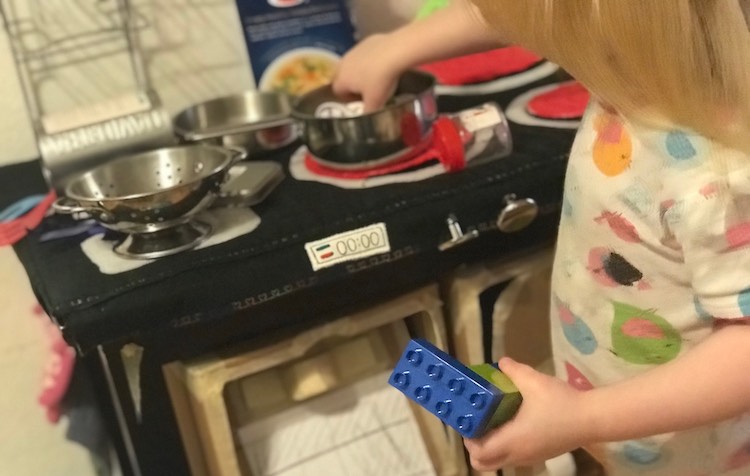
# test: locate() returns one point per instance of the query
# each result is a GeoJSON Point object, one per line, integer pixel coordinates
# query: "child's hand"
{"type": "Point", "coordinates": [549, 423]}
{"type": "Point", "coordinates": [371, 70]}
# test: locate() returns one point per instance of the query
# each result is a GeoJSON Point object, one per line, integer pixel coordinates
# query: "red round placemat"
{"type": "Point", "coordinates": [568, 101]}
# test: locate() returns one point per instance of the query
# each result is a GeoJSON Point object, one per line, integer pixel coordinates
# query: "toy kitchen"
{"type": "Point", "coordinates": [239, 257]}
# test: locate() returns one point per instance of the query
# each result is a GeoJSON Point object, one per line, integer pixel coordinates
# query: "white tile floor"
{"type": "Point", "coordinates": [30, 445]}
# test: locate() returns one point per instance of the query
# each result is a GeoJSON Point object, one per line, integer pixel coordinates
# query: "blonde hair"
{"type": "Point", "coordinates": [683, 62]}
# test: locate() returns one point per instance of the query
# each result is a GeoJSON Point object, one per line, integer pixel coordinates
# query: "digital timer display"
{"type": "Point", "coordinates": [348, 246]}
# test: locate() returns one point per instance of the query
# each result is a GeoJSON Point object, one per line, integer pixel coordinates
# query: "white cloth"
{"type": "Point", "coordinates": [226, 223]}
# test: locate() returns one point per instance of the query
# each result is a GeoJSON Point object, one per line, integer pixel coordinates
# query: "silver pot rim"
{"type": "Point", "coordinates": [296, 113]}
{"type": "Point", "coordinates": [192, 134]}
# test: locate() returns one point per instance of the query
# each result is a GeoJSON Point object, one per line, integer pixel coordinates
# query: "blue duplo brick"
{"type": "Point", "coordinates": [470, 400]}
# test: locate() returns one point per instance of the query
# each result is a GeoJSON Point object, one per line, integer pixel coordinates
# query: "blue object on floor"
{"type": "Point", "coordinates": [20, 207]}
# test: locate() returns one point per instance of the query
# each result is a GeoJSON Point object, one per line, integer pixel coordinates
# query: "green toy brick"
{"type": "Point", "coordinates": [512, 399]}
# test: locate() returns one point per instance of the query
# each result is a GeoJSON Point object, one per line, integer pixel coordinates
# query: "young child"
{"type": "Point", "coordinates": [651, 286]}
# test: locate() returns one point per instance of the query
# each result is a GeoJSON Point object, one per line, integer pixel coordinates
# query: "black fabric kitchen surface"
{"type": "Point", "coordinates": [262, 282]}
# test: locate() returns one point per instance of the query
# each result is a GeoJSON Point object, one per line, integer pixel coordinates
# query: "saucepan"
{"type": "Point", "coordinates": [259, 122]}
{"type": "Point", "coordinates": [151, 191]}
{"type": "Point", "coordinates": [358, 140]}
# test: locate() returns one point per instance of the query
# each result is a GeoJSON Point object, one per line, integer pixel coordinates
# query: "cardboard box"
{"type": "Point", "coordinates": [295, 45]}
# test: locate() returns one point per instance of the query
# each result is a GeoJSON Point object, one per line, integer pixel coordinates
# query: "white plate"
{"type": "Point", "coordinates": [266, 80]}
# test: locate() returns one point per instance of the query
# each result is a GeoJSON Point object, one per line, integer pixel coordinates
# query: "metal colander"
{"type": "Point", "coordinates": [151, 191]}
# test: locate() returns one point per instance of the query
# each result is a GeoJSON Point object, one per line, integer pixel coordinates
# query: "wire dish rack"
{"type": "Point", "coordinates": [84, 81]}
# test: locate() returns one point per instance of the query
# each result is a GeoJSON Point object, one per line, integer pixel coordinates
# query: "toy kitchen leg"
{"type": "Point", "coordinates": [99, 366]}
{"type": "Point", "coordinates": [144, 437]}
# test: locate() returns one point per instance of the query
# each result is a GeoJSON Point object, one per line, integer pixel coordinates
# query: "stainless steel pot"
{"type": "Point", "coordinates": [257, 121]}
{"type": "Point", "coordinates": [402, 126]}
{"type": "Point", "coordinates": [151, 191]}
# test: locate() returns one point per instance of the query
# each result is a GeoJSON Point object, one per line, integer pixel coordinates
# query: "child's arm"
{"type": "Point", "coordinates": [372, 67]}
{"type": "Point", "coordinates": [708, 384]}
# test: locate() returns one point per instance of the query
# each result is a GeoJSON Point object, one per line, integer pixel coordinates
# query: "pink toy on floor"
{"type": "Point", "coordinates": [58, 371]}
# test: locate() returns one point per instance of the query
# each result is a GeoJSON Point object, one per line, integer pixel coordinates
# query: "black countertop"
{"type": "Point", "coordinates": [263, 281]}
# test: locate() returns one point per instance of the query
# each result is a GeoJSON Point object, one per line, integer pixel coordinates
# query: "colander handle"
{"type": "Point", "coordinates": [240, 153]}
{"type": "Point", "coordinates": [68, 206]}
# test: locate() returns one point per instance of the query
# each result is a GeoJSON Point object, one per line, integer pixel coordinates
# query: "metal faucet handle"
{"type": "Point", "coordinates": [458, 237]}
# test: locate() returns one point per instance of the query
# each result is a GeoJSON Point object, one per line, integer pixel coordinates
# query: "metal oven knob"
{"type": "Point", "coordinates": [517, 215]}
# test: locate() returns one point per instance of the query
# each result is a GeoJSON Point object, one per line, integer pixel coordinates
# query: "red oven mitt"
{"type": "Point", "coordinates": [482, 67]}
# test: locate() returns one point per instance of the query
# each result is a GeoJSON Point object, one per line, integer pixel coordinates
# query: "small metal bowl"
{"type": "Point", "coordinates": [151, 191]}
{"type": "Point", "coordinates": [402, 126]}
{"type": "Point", "coordinates": [257, 121]}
